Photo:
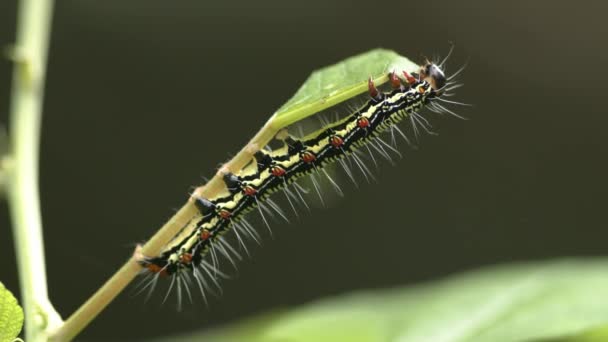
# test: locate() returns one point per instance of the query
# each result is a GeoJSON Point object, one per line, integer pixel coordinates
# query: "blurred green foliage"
{"type": "Point", "coordinates": [555, 300]}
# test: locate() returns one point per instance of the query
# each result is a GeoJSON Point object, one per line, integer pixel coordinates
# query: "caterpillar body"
{"type": "Point", "coordinates": [273, 170]}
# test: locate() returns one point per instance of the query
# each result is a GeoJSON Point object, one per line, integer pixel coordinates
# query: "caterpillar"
{"type": "Point", "coordinates": [269, 171]}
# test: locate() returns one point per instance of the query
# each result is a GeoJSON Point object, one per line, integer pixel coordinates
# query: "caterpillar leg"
{"type": "Point", "coordinates": [204, 205]}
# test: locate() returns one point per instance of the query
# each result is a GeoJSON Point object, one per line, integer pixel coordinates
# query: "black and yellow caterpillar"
{"type": "Point", "coordinates": [274, 170]}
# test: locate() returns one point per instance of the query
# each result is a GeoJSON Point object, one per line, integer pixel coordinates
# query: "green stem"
{"type": "Point", "coordinates": [100, 299]}
{"type": "Point", "coordinates": [29, 54]}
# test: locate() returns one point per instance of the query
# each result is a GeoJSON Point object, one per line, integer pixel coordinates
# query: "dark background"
{"type": "Point", "coordinates": [146, 97]}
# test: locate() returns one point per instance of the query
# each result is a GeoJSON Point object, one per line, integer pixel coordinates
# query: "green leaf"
{"type": "Point", "coordinates": [11, 315]}
{"type": "Point", "coordinates": [339, 82]}
{"type": "Point", "coordinates": [557, 300]}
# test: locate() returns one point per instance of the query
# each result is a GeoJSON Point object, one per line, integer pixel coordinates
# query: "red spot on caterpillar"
{"type": "Point", "coordinates": [421, 90]}
{"type": "Point", "coordinates": [395, 82]}
{"type": "Point", "coordinates": [225, 214]}
{"type": "Point", "coordinates": [277, 171]}
{"type": "Point", "coordinates": [308, 157]}
{"type": "Point", "coordinates": [185, 258]}
{"type": "Point", "coordinates": [336, 141]}
{"type": "Point", "coordinates": [249, 191]}
{"type": "Point", "coordinates": [205, 234]}
{"type": "Point", "coordinates": [373, 92]}
{"type": "Point", "coordinates": [363, 122]}
{"type": "Point", "coordinates": [156, 269]}
{"type": "Point", "coordinates": [409, 78]}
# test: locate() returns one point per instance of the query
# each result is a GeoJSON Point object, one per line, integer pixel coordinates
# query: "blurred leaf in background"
{"type": "Point", "coordinates": [564, 300]}
{"type": "Point", "coordinates": [11, 315]}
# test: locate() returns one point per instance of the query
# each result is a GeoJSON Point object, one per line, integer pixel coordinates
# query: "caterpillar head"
{"type": "Point", "coordinates": [431, 73]}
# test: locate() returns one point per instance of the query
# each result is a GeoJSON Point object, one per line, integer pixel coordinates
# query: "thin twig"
{"type": "Point", "coordinates": [94, 305]}
{"type": "Point", "coordinates": [29, 55]}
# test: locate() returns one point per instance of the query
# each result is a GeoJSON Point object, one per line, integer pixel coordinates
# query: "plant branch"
{"type": "Point", "coordinates": [29, 55]}
{"type": "Point", "coordinates": [94, 305]}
